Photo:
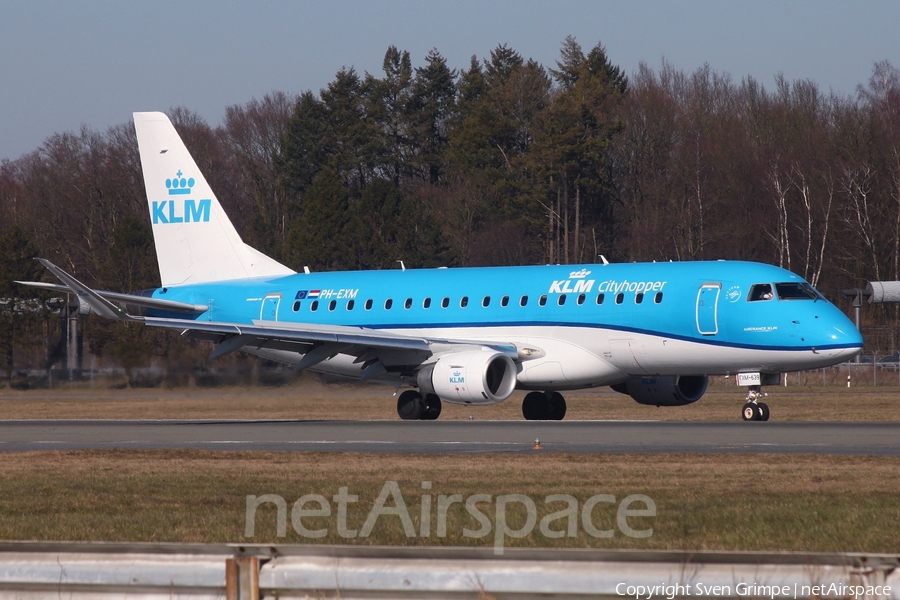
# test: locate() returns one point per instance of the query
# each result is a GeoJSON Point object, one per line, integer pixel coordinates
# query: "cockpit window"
{"type": "Point", "coordinates": [760, 291]}
{"type": "Point", "coordinates": [797, 291]}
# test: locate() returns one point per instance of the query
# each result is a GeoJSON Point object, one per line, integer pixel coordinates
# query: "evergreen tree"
{"type": "Point", "coordinates": [318, 238]}
{"type": "Point", "coordinates": [304, 148]}
{"type": "Point", "coordinates": [571, 158]}
{"type": "Point", "coordinates": [389, 104]}
{"type": "Point", "coordinates": [434, 109]}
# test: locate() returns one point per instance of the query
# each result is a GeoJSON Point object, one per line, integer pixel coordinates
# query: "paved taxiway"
{"type": "Point", "coordinates": [455, 437]}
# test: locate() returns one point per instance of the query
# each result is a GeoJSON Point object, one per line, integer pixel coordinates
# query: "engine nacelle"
{"type": "Point", "coordinates": [476, 377]}
{"type": "Point", "coordinates": [668, 390]}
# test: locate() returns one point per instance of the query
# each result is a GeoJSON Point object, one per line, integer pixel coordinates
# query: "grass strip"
{"type": "Point", "coordinates": [715, 502]}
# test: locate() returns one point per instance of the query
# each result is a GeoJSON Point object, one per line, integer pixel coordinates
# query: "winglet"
{"type": "Point", "coordinates": [95, 301]}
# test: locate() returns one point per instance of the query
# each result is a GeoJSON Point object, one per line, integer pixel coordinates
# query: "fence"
{"type": "Point", "coordinates": [116, 570]}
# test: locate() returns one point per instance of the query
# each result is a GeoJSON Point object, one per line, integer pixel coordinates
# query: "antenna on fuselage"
{"type": "Point", "coordinates": [603, 258]}
{"type": "Point", "coordinates": [306, 269]}
{"type": "Point", "coordinates": [402, 266]}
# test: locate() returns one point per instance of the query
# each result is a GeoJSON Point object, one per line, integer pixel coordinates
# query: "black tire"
{"type": "Point", "coordinates": [533, 406]}
{"type": "Point", "coordinates": [763, 411]}
{"type": "Point", "coordinates": [750, 412]}
{"type": "Point", "coordinates": [410, 406]}
{"type": "Point", "coordinates": [556, 406]}
{"type": "Point", "coordinates": [432, 407]}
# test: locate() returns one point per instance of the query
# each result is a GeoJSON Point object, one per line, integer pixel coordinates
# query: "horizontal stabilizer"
{"type": "Point", "coordinates": [125, 299]}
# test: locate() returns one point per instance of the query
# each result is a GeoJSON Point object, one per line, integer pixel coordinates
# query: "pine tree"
{"type": "Point", "coordinates": [318, 238]}
{"type": "Point", "coordinates": [434, 108]}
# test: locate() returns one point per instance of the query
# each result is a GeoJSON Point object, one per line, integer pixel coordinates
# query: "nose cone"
{"type": "Point", "coordinates": [841, 340]}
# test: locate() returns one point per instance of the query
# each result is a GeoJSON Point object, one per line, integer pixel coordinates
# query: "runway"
{"type": "Point", "coordinates": [458, 437]}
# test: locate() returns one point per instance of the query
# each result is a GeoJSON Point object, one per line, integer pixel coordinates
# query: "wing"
{"type": "Point", "coordinates": [317, 343]}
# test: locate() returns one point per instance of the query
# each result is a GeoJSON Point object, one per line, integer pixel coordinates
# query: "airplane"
{"type": "Point", "coordinates": [653, 331]}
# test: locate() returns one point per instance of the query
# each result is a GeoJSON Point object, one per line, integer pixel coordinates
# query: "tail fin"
{"type": "Point", "coordinates": [195, 240]}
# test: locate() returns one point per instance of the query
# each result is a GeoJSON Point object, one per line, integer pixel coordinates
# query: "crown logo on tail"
{"type": "Point", "coordinates": [179, 186]}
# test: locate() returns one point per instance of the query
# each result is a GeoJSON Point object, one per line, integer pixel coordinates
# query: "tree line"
{"type": "Point", "coordinates": [502, 162]}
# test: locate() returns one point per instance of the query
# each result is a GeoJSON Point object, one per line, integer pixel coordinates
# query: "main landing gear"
{"type": "Point", "coordinates": [411, 405]}
{"type": "Point", "coordinates": [544, 406]}
{"type": "Point", "coordinates": [755, 410]}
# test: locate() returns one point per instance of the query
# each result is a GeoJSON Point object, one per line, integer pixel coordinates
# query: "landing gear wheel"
{"type": "Point", "coordinates": [432, 407]}
{"type": "Point", "coordinates": [533, 406]}
{"type": "Point", "coordinates": [755, 410]}
{"type": "Point", "coordinates": [410, 405]}
{"type": "Point", "coordinates": [544, 406]}
{"type": "Point", "coordinates": [556, 407]}
{"type": "Point", "coordinates": [751, 412]}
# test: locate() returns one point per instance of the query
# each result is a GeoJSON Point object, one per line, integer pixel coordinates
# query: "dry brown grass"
{"type": "Point", "coordinates": [310, 399]}
{"type": "Point", "coordinates": [703, 502]}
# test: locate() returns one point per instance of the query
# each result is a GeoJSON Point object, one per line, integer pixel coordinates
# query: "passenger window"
{"type": "Point", "coordinates": [408, 304]}
{"type": "Point", "coordinates": [760, 291]}
{"type": "Point", "coordinates": [561, 300]}
{"type": "Point", "coordinates": [388, 304]}
{"type": "Point", "coordinates": [658, 297]}
{"type": "Point", "coordinates": [426, 303]}
{"type": "Point", "coordinates": [314, 306]}
{"type": "Point", "coordinates": [445, 302]}
{"type": "Point", "coordinates": [369, 304]}
{"type": "Point", "coordinates": [464, 302]}
{"type": "Point", "coordinates": [543, 300]}
{"type": "Point", "coordinates": [350, 304]}
{"type": "Point", "coordinates": [486, 302]}
{"type": "Point", "coordinates": [523, 300]}
{"type": "Point", "coordinates": [580, 300]}
{"type": "Point", "coordinates": [296, 306]}
{"type": "Point", "coordinates": [639, 297]}
{"type": "Point", "coordinates": [332, 304]}
{"type": "Point", "coordinates": [504, 301]}
{"type": "Point", "coordinates": [600, 298]}
{"type": "Point", "coordinates": [620, 298]}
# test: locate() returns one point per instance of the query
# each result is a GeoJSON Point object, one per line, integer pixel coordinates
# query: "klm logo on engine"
{"type": "Point", "coordinates": [457, 378]}
{"type": "Point", "coordinates": [180, 210]}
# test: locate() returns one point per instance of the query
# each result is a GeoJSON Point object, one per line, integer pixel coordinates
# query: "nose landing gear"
{"type": "Point", "coordinates": [754, 410]}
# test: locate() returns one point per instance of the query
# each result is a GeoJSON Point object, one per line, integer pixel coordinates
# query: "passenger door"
{"type": "Point", "coordinates": [269, 309]}
{"type": "Point", "coordinates": [708, 308]}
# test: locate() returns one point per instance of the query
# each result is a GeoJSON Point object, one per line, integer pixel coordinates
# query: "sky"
{"type": "Point", "coordinates": [92, 63]}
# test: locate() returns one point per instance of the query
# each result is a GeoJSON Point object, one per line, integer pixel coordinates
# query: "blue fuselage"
{"type": "Point", "coordinates": [660, 309]}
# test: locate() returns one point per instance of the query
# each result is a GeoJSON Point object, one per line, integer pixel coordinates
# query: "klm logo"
{"type": "Point", "coordinates": [187, 211]}
{"type": "Point", "coordinates": [180, 211]}
{"type": "Point", "coordinates": [179, 186]}
{"type": "Point", "coordinates": [566, 286]}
